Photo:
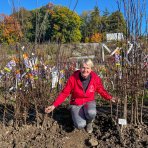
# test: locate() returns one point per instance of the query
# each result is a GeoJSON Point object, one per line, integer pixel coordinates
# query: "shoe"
{"type": "Point", "coordinates": [76, 130]}
{"type": "Point", "coordinates": [89, 127]}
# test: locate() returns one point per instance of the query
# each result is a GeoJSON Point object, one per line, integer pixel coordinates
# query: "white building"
{"type": "Point", "coordinates": [114, 36]}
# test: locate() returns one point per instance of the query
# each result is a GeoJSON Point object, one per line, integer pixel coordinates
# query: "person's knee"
{"type": "Point", "coordinates": [80, 125]}
{"type": "Point", "coordinates": [91, 114]}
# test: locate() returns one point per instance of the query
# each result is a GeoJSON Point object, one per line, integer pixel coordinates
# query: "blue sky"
{"type": "Point", "coordinates": [82, 5]}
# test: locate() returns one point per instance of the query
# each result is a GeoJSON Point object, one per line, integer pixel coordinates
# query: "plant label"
{"type": "Point", "coordinates": [122, 121]}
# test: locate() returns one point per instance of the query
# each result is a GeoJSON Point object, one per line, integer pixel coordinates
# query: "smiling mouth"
{"type": "Point", "coordinates": [85, 74]}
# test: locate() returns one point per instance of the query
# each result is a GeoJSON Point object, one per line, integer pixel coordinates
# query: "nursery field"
{"type": "Point", "coordinates": [43, 43]}
{"type": "Point", "coordinates": [58, 132]}
{"type": "Point", "coordinates": [31, 80]}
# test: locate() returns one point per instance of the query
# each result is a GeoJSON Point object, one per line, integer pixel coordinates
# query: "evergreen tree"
{"type": "Point", "coordinates": [116, 23]}
{"type": "Point", "coordinates": [95, 21]}
{"type": "Point", "coordinates": [85, 18]}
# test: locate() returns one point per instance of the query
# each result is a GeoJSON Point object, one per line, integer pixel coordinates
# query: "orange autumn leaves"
{"type": "Point", "coordinates": [10, 29]}
{"type": "Point", "coordinates": [95, 38]}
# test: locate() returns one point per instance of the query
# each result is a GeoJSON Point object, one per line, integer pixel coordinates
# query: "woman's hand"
{"type": "Point", "coordinates": [49, 109]}
{"type": "Point", "coordinates": [115, 99]}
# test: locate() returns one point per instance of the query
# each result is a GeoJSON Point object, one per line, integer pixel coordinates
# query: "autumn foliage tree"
{"type": "Point", "coordinates": [96, 38]}
{"type": "Point", "coordinates": [59, 24]}
{"type": "Point", "coordinates": [65, 25]}
{"type": "Point", "coordinates": [54, 24]}
{"type": "Point", "coordinates": [24, 17]}
{"type": "Point", "coordinates": [93, 23]}
{"type": "Point", "coordinates": [10, 29]}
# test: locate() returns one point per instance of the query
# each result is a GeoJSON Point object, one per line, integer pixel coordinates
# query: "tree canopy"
{"type": "Point", "coordinates": [10, 29]}
{"type": "Point", "coordinates": [59, 24]}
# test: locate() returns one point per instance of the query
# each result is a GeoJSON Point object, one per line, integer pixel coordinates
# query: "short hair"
{"type": "Point", "coordinates": [88, 62]}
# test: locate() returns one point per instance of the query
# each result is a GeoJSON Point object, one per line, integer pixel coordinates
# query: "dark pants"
{"type": "Point", "coordinates": [83, 114]}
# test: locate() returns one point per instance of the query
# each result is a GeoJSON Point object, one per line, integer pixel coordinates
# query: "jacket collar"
{"type": "Point", "coordinates": [76, 75]}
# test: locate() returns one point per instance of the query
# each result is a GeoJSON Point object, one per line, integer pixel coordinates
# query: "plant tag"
{"type": "Point", "coordinates": [122, 121]}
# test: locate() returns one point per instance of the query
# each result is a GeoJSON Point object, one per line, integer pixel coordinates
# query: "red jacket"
{"type": "Point", "coordinates": [78, 95]}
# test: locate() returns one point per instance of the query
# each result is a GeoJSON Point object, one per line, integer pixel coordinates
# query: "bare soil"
{"type": "Point", "coordinates": [57, 131]}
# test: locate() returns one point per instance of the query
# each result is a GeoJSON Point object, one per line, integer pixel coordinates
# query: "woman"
{"type": "Point", "coordinates": [82, 86]}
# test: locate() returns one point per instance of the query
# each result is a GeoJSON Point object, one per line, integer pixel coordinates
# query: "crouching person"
{"type": "Point", "coordinates": [82, 85]}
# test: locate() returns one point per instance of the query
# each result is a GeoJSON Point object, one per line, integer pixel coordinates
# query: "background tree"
{"type": "Point", "coordinates": [85, 18]}
{"type": "Point", "coordinates": [60, 24]}
{"type": "Point", "coordinates": [104, 21]}
{"type": "Point", "coordinates": [116, 23]}
{"type": "Point", "coordinates": [25, 19]}
{"type": "Point", "coordinates": [41, 21]}
{"type": "Point", "coordinates": [65, 25]}
{"type": "Point", "coordinates": [91, 25]}
{"type": "Point", "coordinates": [54, 23]}
{"type": "Point", "coordinates": [10, 30]}
{"type": "Point", "coordinates": [96, 38]}
{"type": "Point", "coordinates": [95, 21]}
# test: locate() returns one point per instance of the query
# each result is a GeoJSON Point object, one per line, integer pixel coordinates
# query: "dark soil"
{"type": "Point", "coordinates": [57, 131]}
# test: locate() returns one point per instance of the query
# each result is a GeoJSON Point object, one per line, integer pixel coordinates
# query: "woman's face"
{"type": "Point", "coordinates": [85, 70]}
